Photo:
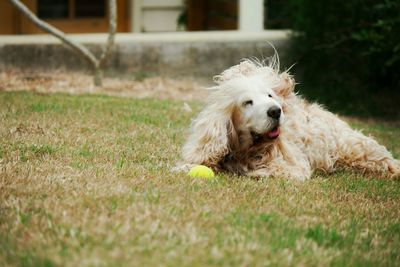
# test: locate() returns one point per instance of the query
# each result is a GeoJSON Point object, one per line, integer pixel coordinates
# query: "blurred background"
{"type": "Point", "coordinates": [346, 53]}
{"type": "Point", "coordinates": [89, 16]}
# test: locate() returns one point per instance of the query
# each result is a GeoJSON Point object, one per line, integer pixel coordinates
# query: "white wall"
{"type": "Point", "coordinates": [155, 15]}
{"type": "Point", "coordinates": [251, 15]}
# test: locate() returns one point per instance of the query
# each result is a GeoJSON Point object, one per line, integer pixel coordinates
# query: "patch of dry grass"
{"type": "Point", "coordinates": [85, 180]}
{"type": "Point", "coordinates": [138, 85]}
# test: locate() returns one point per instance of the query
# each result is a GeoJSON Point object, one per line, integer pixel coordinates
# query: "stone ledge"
{"type": "Point", "coordinates": [177, 53]}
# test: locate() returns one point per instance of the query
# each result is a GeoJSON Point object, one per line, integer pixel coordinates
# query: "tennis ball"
{"type": "Point", "coordinates": [201, 171]}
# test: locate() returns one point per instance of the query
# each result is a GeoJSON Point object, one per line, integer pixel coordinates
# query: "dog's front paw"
{"type": "Point", "coordinates": [298, 177]}
{"type": "Point", "coordinates": [183, 167]}
{"type": "Point", "coordinates": [265, 173]}
{"type": "Point", "coordinates": [259, 173]}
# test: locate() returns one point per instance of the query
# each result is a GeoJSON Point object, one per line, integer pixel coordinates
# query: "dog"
{"type": "Point", "coordinates": [254, 124]}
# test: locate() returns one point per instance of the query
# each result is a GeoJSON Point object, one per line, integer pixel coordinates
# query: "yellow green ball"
{"type": "Point", "coordinates": [201, 171]}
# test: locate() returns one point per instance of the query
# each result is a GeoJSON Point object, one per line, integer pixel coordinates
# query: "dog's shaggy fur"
{"type": "Point", "coordinates": [237, 132]}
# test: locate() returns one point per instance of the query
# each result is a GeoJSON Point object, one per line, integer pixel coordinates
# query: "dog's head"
{"type": "Point", "coordinates": [246, 107]}
{"type": "Point", "coordinates": [257, 108]}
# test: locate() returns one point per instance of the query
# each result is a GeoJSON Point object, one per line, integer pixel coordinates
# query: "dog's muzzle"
{"type": "Point", "coordinates": [271, 134]}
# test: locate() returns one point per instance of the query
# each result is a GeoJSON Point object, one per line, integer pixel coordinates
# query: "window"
{"type": "Point", "coordinates": [53, 9]}
{"type": "Point", "coordinates": [63, 9]}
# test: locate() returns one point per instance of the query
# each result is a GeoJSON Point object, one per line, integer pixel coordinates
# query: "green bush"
{"type": "Point", "coordinates": [278, 14]}
{"type": "Point", "coordinates": [348, 53]}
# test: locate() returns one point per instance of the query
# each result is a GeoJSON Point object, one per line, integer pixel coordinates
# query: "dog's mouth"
{"type": "Point", "coordinates": [270, 135]}
{"type": "Point", "coordinates": [274, 133]}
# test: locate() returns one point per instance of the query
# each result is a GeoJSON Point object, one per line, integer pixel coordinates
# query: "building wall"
{"type": "Point", "coordinates": [7, 23]}
{"type": "Point", "coordinates": [133, 16]}
{"type": "Point", "coordinates": [12, 21]}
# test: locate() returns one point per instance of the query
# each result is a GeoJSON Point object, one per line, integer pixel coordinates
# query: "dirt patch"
{"type": "Point", "coordinates": [80, 83]}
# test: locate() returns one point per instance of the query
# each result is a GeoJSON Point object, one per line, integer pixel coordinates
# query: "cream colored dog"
{"type": "Point", "coordinates": [254, 124]}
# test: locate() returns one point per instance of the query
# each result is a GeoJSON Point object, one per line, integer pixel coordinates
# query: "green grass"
{"type": "Point", "coordinates": [85, 180]}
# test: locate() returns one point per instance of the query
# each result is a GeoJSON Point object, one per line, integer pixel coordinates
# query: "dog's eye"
{"type": "Point", "coordinates": [248, 103]}
{"type": "Point", "coordinates": [269, 95]}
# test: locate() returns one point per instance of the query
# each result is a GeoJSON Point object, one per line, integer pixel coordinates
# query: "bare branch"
{"type": "Point", "coordinates": [97, 64]}
{"type": "Point", "coordinates": [112, 18]}
{"type": "Point", "coordinates": [57, 33]}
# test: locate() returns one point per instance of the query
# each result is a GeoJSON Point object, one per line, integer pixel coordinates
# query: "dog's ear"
{"type": "Point", "coordinates": [285, 85]}
{"type": "Point", "coordinates": [212, 136]}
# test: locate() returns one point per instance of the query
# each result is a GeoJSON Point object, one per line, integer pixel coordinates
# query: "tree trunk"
{"type": "Point", "coordinates": [98, 77]}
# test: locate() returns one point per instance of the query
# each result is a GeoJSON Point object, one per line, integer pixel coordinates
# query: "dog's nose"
{"type": "Point", "coordinates": [274, 112]}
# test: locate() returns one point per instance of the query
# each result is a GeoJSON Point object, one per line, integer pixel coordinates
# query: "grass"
{"type": "Point", "coordinates": [85, 181]}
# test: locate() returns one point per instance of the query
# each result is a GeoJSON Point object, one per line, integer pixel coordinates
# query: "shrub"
{"type": "Point", "coordinates": [348, 53]}
{"type": "Point", "coordinates": [278, 14]}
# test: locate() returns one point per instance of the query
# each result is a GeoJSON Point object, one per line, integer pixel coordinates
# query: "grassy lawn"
{"type": "Point", "coordinates": [86, 181]}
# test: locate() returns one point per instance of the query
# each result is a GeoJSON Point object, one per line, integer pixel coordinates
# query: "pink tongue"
{"type": "Point", "coordinates": [273, 134]}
